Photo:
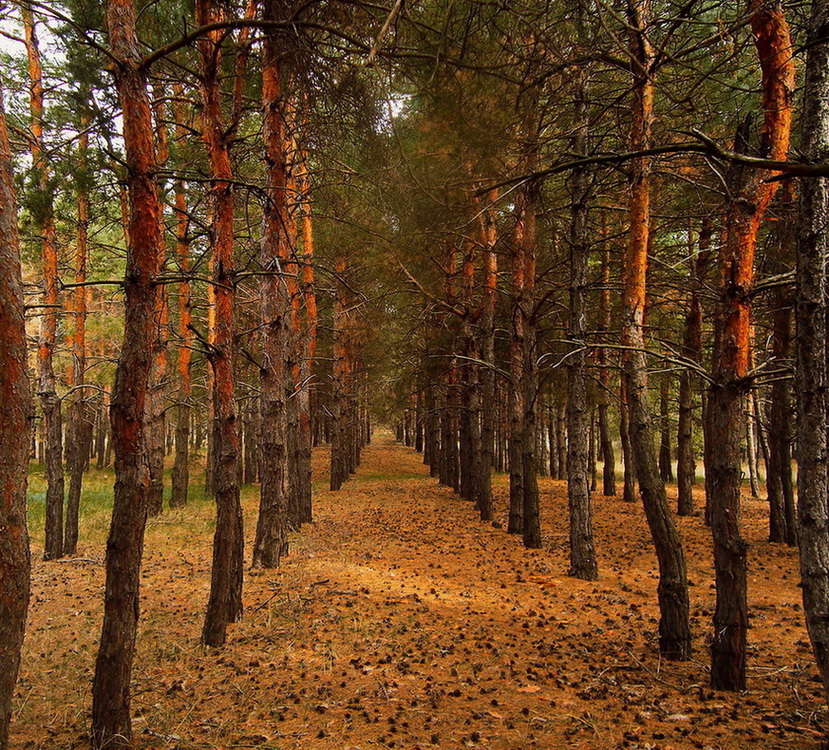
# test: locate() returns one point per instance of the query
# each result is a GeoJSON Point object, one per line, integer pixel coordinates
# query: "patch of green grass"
{"type": "Point", "coordinates": [96, 501]}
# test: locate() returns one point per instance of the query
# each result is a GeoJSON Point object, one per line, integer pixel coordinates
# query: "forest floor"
{"type": "Point", "coordinates": [400, 620]}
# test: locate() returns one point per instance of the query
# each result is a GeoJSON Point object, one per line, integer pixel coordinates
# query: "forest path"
{"type": "Point", "coordinates": [400, 620]}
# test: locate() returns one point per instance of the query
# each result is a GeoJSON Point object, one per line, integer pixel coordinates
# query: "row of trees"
{"type": "Point", "coordinates": [598, 228]}
{"type": "Point", "coordinates": [158, 198]}
{"type": "Point", "coordinates": [527, 200]}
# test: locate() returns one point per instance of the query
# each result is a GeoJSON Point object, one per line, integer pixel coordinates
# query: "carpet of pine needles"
{"type": "Point", "coordinates": [399, 620]}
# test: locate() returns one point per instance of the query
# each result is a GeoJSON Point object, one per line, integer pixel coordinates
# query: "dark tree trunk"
{"type": "Point", "coordinates": [16, 411]}
{"type": "Point", "coordinates": [591, 460]}
{"type": "Point", "coordinates": [111, 715]}
{"type": "Point", "coordinates": [810, 342]}
{"type": "Point", "coordinates": [180, 480]}
{"type": "Point", "coordinates": [561, 440]}
{"type": "Point", "coordinates": [779, 483]}
{"type": "Point", "coordinates": [607, 452]}
{"type": "Point", "coordinates": [47, 383]}
{"type": "Point", "coordinates": [686, 468]}
{"type": "Point", "coordinates": [80, 441]}
{"type": "Point", "coordinates": [453, 454]}
{"type": "Point", "coordinates": [666, 471]}
{"type": "Point", "coordinates": [274, 300]}
{"type": "Point", "coordinates": [156, 422]}
{"type": "Point", "coordinates": [674, 628]}
{"type": "Point", "coordinates": [602, 361]}
{"type": "Point", "coordinates": [252, 442]}
{"type": "Point", "coordinates": [79, 431]}
{"type": "Point", "coordinates": [515, 523]}
{"type": "Point", "coordinates": [339, 382]}
{"type": "Point", "coordinates": [101, 422]}
{"type": "Point", "coordinates": [225, 602]}
{"type": "Point", "coordinates": [418, 446]}
{"type": "Point", "coordinates": [156, 409]}
{"type": "Point", "coordinates": [628, 459]}
{"type": "Point", "coordinates": [582, 551]}
{"type": "Point", "coordinates": [529, 371]}
{"type": "Point", "coordinates": [752, 194]}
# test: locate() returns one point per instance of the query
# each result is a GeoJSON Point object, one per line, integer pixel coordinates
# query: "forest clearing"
{"type": "Point", "coordinates": [400, 620]}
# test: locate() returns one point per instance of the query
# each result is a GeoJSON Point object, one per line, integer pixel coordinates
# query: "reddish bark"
{"type": "Point", "coordinates": [674, 629]}
{"type": "Point", "coordinates": [111, 716]}
{"type": "Point", "coordinates": [156, 422]}
{"type": "Point", "coordinates": [79, 433]}
{"type": "Point", "coordinates": [181, 467]}
{"type": "Point", "coordinates": [15, 425]}
{"type": "Point", "coordinates": [339, 378]}
{"type": "Point", "coordinates": [272, 523]}
{"type": "Point", "coordinates": [752, 195]}
{"type": "Point", "coordinates": [47, 383]}
{"type": "Point", "coordinates": [309, 339]}
{"type": "Point", "coordinates": [225, 603]}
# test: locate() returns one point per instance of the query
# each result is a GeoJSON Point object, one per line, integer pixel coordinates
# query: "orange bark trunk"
{"type": "Point", "coordinates": [309, 340]}
{"type": "Point", "coordinates": [47, 384]}
{"type": "Point", "coordinates": [111, 715]}
{"type": "Point", "coordinates": [16, 409]}
{"type": "Point", "coordinates": [674, 631]}
{"type": "Point", "coordinates": [79, 432]}
{"type": "Point", "coordinates": [225, 603]}
{"type": "Point", "coordinates": [274, 302]}
{"type": "Point", "coordinates": [725, 416]}
{"type": "Point", "coordinates": [156, 422]}
{"type": "Point", "coordinates": [181, 467]}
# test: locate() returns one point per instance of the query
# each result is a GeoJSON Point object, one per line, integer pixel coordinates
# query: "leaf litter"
{"type": "Point", "coordinates": [399, 620]}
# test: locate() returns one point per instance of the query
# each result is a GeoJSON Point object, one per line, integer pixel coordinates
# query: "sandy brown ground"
{"type": "Point", "coordinates": [399, 620]}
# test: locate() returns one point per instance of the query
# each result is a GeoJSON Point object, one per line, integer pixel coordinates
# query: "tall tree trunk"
{"type": "Point", "coordinates": [674, 629]}
{"type": "Point", "coordinates": [47, 383]}
{"type": "Point", "coordinates": [582, 550]}
{"type": "Point", "coordinates": [752, 194]}
{"type": "Point", "coordinates": [470, 394]}
{"type": "Point", "coordinates": [779, 483]}
{"type": "Point", "coordinates": [529, 370]}
{"type": "Point", "coordinates": [686, 467]}
{"type": "Point", "coordinates": [225, 602]}
{"type": "Point", "coordinates": [338, 469]}
{"type": "Point", "coordinates": [274, 300]}
{"type": "Point", "coordinates": [453, 405]}
{"type": "Point", "coordinates": [487, 372]}
{"type": "Point", "coordinates": [180, 480]}
{"type": "Point", "coordinates": [628, 459]}
{"type": "Point", "coordinates": [665, 465]}
{"type": "Point", "coordinates": [156, 422]}
{"type": "Point", "coordinates": [602, 361]}
{"type": "Point", "coordinates": [515, 523]}
{"type": "Point", "coordinates": [811, 371]}
{"type": "Point", "coordinates": [524, 503]}
{"type": "Point", "coordinates": [16, 411]}
{"type": "Point", "coordinates": [79, 433]}
{"type": "Point", "coordinates": [101, 439]}
{"type": "Point", "coordinates": [309, 348]}
{"type": "Point", "coordinates": [111, 716]}
{"type": "Point", "coordinates": [252, 441]}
